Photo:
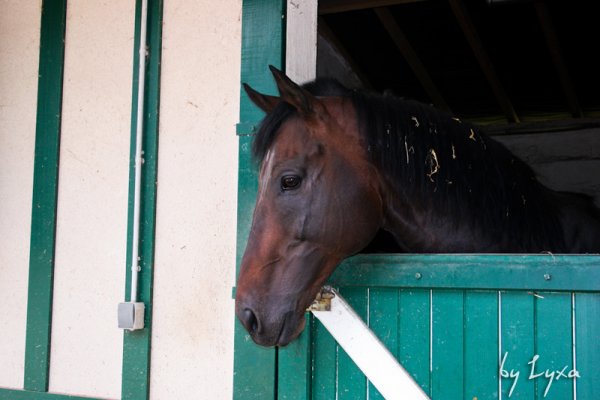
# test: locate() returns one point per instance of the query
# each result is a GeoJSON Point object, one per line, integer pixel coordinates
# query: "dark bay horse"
{"type": "Point", "coordinates": [338, 167]}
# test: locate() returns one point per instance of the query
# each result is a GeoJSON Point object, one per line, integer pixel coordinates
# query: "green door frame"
{"type": "Point", "coordinates": [136, 344]}
{"type": "Point", "coordinates": [263, 44]}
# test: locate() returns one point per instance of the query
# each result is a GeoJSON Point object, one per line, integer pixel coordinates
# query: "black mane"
{"type": "Point", "coordinates": [446, 165]}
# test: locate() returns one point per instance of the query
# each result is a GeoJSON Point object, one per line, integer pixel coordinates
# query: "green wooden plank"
{"type": "Point", "coordinates": [481, 345]}
{"type": "Point", "coordinates": [263, 30]}
{"type": "Point", "coordinates": [45, 191]}
{"type": "Point", "coordinates": [14, 394]}
{"type": "Point", "coordinates": [447, 374]}
{"type": "Point", "coordinates": [414, 334]}
{"type": "Point", "coordinates": [136, 344]}
{"type": "Point", "coordinates": [294, 365]}
{"type": "Point", "coordinates": [587, 342]}
{"type": "Point", "coordinates": [247, 189]}
{"type": "Point", "coordinates": [352, 383]}
{"type": "Point", "coordinates": [325, 352]}
{"type": "Point", "coordinates": [472, 271]}
{"type": "Point", "coordinates": [554, 346]}
{"type": "Point", "coordinates": [517, 344]}
{"type": "Point", "coordinates": [249, 382]}
{"type": "Point", "coordinates": [263, 44]}
{"type": "Point", "coordinates": [384, 321]}
{"type": "Point", "coordinates": [254, 374]}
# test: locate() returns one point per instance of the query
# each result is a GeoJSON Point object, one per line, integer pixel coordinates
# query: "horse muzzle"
{"type": "Point", "coordinates": [270, 328]}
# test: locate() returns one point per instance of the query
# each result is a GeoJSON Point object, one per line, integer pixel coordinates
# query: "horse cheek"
{"type": "Point", "coordinates": [358, 220]}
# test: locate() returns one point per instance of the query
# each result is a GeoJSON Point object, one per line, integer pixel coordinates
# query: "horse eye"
{"type": "Point", "coordinates": [290, 182]}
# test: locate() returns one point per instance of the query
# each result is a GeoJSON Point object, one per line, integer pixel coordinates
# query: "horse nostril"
{"type": "Point", "coordinates": [250, 320]}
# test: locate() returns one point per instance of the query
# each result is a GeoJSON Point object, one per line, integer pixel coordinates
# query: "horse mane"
{"type": "Point", "coordinates": [449, 166]}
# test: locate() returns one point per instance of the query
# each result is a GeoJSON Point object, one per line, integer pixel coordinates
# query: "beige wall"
{"type": "Point", "coordinates": [92, 199]}
{"type": "Point", "coordinates": [19, 49]}
{"type": "Point", "coordinates": [192, 336]}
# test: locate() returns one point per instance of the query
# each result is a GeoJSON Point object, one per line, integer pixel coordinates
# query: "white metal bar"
{"type": "Point", "coordinates": [366, 350]}
{"type": "Point", "coordinates": [135, 267]}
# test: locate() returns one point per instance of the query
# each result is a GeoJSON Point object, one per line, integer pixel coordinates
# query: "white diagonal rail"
{"type": "Point", "coordinates": [366, 350]}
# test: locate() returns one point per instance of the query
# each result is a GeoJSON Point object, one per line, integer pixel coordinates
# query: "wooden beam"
{"type": "Point", "coordinates": [485, 63]}
{"type": "Point", "coordinates": [411, 57]}
{"type": "Point", "coordinates": [573, 124]}
{"type": "Point", "coordinates": [339, 6]}
{"type": "Point", "coordinates": [557, 58]}
{"type": "Point", "coordinates": [327, 34]}
{"type": "Point", "coordinates": [301, 40]}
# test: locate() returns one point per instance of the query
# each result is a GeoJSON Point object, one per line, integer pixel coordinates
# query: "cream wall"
{"type": "Point", "coordinates": [92, 199]}
{"type": "Point", "coordinates": [19, 51]}
{"type": "Point", "coordinates": [192, 335]}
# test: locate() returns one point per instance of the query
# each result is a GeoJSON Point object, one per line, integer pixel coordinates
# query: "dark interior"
{"type": "Point", "coordinates": [489, 61]}
{"type": "Point", "coordinates": [527, 71]}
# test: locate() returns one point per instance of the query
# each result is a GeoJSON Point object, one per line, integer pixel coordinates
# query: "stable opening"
{"type": "Point", "coordinates": [521, 70]}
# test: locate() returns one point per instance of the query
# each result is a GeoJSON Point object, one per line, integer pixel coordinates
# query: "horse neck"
{"type": "Point", "coordinates": [423, 227]}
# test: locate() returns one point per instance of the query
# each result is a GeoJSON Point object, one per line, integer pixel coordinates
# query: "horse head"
{"type": "Point", "coordinates": [318, 202]}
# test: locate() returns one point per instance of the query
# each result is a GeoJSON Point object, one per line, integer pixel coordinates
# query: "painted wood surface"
{"type": "Point", "coordinates": [45, 187]}
{"type": "Point", "coordinates": [463, 343]}
{"type": "Point", "coordinates": [472, 271]}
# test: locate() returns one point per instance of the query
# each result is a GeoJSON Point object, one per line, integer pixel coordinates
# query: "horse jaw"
{"type": "Point", "coordinates": [272, 306]}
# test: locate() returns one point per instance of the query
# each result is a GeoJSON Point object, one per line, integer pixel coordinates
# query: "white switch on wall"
{"type": "Point", "coordinates": [131, 316]}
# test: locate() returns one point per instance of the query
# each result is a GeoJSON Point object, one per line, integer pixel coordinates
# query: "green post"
{"type": "Point", "coordinates": [45, 192]}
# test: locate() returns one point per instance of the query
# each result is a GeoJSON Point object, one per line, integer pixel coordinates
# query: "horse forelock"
{"type": "Point", "coordinates": [266, 170]}
{"type": "Point", "coordinates": [268, 130]}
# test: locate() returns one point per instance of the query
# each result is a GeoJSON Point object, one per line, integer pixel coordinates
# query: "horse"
{"type": "Point", "coordinates": [340, 167]}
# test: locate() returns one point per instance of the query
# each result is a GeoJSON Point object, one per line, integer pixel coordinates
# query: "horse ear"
{"type": "Point", "coordinates": [263, 101]}
{"type": "Point", "coordinates": [294, 95]}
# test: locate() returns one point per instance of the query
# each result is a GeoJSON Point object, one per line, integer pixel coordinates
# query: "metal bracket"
{"type": "Point", "coordinates": [131, 315]}
{"type": "Point", "coordinates": [323, 300]}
